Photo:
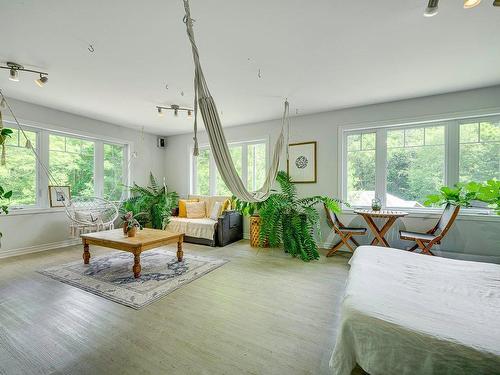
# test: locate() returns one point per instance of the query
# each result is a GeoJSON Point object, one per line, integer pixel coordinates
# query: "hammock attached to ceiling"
{"type": "Point", "coordinates": [205, 103]}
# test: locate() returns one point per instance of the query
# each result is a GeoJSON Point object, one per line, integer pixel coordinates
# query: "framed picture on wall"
{"type": "Point", "coordinates": [301, 165]}
{"type": "Point", "coordinates": [59, 195]}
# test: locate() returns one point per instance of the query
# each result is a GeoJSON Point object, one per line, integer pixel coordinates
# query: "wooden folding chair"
{"type": "Point", "coordinates": [345, 233]}
{"type": "Point", "coordinates": [425, 241]}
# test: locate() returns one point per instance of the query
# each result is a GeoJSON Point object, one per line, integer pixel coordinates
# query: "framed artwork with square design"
{"type": "Point", "coordinates": [301, 165]}
{"type": "Point", "coordinates": [59, 195]}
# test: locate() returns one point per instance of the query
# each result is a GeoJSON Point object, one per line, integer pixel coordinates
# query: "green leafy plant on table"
{"type": "Point", "coordinates": [154, 203]}
{"type": "Point", "coordinates": [290, 221]}
{"type": "Point", "coordinates": [130, 221]}
{"type": "Point", "coordinates": [464, 195]}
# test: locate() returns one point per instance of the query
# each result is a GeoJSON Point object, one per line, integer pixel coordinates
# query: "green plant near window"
{"type": "Point", "coordinates": [4, 208]}
{"type": "Point", "coordinates": [464, 194]}
{"type": "Point", "coordinates": [152, 204]}
{"type": "Point", "coordinates": [290, 221]}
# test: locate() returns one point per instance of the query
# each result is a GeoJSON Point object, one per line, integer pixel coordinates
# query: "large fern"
{"type": "Point", "coordinates": [291, 222]}
{"type": "Point", "coordinates": [155, 201]}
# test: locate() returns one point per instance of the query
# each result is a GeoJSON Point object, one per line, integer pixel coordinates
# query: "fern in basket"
{"type": "Point", "coordinates": [290, 221]}
{"type": "Point", "coordinates": [154, 201]}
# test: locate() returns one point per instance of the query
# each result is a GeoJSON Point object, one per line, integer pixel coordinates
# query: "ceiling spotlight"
{"type": "Point", "coordinates": [471, 3]}
{"type": "Point", "coordinates": [3, 103]}
{"type": "Point", "coordinates": [176, 112]}
{"type": "Point", "coordinates": [190, 113]}
{"type": "Point", "coordinates": [160, 111]}
{"type": "Point", "coordinates": [14, 75]}
{"type": "Point", "coordinates": [174, 107]}
{"type": "Point", "coordinates": [496, 3]}
{"type": "Point", "coordinates": [432, 8]}
{"type": "Point", "coordinates": [41, 81]}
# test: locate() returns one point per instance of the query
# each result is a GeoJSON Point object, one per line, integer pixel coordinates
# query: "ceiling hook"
{"type": "Point", "coordinates": [91, 48]}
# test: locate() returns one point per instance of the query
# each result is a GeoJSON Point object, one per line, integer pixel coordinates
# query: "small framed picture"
{"type": "Point", "coordinates": [301, 165]}
{"type": "Point", "coordinates": [59, 195]}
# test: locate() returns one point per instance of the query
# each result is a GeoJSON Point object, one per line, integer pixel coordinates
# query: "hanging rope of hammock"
{"type": "Point", "coordinates": [86, 213]}
{"type": "Point", "coordinates": [204, 102]}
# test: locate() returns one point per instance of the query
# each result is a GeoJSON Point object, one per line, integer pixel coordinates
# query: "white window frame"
{"type": "Point", "coordinates": [452, 152]}
{"type": "Point", "coordinates": [43, 131]}
{"type": "Point", "coordinates": [193, 175]}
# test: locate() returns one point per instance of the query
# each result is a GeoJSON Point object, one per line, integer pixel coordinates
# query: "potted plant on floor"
{"type": "Point", "coordinates": [251, 210]}
{"type": "Point", "coordinates": [289, 221]}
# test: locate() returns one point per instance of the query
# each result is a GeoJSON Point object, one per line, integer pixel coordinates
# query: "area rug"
{"type": "Point", "coordinates": [110, 276]}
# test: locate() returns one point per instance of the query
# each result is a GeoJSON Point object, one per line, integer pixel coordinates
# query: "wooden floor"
{"type": "Point", "coordinates": [261, 313]}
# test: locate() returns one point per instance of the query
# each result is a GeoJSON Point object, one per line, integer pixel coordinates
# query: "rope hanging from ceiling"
{"type": "Point", "coordinates": [204, 102]}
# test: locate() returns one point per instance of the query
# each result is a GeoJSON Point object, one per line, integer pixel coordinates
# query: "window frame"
{"type": "Point", "coordinates": [43, 132]}
{"type": "Point", "coordinates": [193, 175]}
{"type": "Point", "coordinates": [451, 154]}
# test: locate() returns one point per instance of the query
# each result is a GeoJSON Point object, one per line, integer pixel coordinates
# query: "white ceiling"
{"type": "Point", "coordinates": [321, 54]}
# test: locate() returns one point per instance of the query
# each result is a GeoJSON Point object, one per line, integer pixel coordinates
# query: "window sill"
{"type": "Point", "coordinates": [34, 211]}
{"type": "Point", "coordinates": [435, 214]}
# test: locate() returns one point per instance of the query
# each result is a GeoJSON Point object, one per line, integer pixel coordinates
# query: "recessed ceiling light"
{"type": "Point", "coordinates": [471, 3]}
{"type": "Point", "coordinates": [432, 8]}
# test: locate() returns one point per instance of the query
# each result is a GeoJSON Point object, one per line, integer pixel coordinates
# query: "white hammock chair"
{"type": "Point", "coordinates": [205, 103]}
{"type": "Point", "coordinates": [87, 214]}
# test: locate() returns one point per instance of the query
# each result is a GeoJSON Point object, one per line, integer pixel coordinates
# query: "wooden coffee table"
{"type": "Point", "coordinates": [145, 239]}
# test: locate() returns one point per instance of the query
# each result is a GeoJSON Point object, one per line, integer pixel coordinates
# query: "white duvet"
{"type": "Point", "coordinates": [406, 313]}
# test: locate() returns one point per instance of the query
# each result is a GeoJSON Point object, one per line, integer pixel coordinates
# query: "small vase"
{"type": "Point", "coordinates": [125, 228]}
{"type": "Point", "coordinates": [376, 204]}
{"type": "Point", "coordinates": [132, 231]}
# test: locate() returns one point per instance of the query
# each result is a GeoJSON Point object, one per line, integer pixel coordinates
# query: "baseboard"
{"type": "Point", "coordinates": [39, 248]}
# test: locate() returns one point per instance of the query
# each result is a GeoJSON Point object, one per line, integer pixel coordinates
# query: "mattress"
{"type": "Point", "coordinates": [407, 313]}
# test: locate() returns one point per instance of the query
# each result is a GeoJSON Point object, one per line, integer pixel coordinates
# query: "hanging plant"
{"type": "Point", "coordinates": [4, 134]}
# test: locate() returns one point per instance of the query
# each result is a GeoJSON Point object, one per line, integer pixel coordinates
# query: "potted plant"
{"type": "Point", "coordinates": [4, 208]}
{"type": "Point", "coordinates": [250, 209]}
{"type": "Point", "coordinates": [155, 203]}
{"type": "Point", "coordinates": [130, 224]}
{"type": "Point", "coordinates": [289, 221]}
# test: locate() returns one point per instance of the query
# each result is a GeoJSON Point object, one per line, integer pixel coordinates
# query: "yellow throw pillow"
{"type": "Point", "coordinates": [182, 206]}
{"type": "Point", "coordinates": [195, 210]}
{"type": "Point", "coordinates": [226, 205]}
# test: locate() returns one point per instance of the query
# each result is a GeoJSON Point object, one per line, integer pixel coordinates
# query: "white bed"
{"type": "Point", "coordinates": [406, 313]}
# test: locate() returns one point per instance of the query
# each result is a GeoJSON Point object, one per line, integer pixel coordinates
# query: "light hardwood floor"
{"type": "Point", "coordinates": [261, 313]}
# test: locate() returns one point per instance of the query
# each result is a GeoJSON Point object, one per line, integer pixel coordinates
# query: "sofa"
{"type": "Point", "coordinates": [206, 226]}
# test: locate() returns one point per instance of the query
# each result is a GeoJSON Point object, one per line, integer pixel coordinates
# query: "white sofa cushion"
{"type": "Point", "coordinates": [199, 228]}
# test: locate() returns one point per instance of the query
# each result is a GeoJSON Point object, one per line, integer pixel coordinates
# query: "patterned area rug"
{"type": "Point", "coordinates": [110, 276]}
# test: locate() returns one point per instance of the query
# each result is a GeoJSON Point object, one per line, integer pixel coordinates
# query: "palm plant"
{"type": "Point", "coordinates": [152, 205]}
{"type": "Point", "coordinates": [291, 221]}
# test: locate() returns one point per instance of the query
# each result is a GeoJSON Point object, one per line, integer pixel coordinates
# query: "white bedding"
{"type": "Point", "coordinates": [406, 313]}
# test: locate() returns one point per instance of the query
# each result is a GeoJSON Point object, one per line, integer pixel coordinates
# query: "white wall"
{"type": "Point", "coordinates": [469, 236]}
{"type": "Point", "coordinates": [49, 228]}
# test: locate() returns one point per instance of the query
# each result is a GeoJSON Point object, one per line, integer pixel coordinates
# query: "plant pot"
{"type": "Point", "coordinates": [255, 231]}
{"type": "Point", "coordinates": [132, 231]}
{"type": "Point", "coordinates": [124, 228]}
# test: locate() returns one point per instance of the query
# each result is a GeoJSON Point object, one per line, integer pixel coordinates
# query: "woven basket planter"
{"type": "Point", "coordinates": [255, 231]}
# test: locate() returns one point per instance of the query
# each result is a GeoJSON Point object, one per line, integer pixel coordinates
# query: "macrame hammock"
{"type": "Point", "coordinates": [87, 214]}
{"type": "Point", "coordinates": [205, 103]}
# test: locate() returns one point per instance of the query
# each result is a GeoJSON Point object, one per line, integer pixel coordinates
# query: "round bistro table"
{"type": "Point", "coordinates": [379, 233]}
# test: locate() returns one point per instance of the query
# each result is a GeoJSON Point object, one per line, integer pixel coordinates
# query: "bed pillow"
{"type": "Point", "coordinates": [216, 211]}
{"type": "Point", "coordinates": [182, 206]}
{"type": "Point", "coordinates": [195, 210]}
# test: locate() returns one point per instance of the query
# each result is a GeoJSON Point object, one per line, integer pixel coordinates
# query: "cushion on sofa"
{"type": "Point", "coordinates": [210, 200]}
{"type": "Point", "coordinates": [199, 228]}
{"type": "Point", "coordinates": [182, 206]}
{"type": "Point", "coordinates": [216, 210]}
{"type": "Point", "coordinates": [195, 210]}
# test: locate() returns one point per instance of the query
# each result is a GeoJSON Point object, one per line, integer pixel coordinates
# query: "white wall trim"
{"type": "Point", "coordinates": [39, 248]}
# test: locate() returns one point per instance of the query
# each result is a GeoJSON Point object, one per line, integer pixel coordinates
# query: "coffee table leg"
{"type": "Point", "coordinates": [137, 266]}
{"type": "Point", "coordinates": [86, 253]}
{"type": "Point", "coordinates": [180, 254]}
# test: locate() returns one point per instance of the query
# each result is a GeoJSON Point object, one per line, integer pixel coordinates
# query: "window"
{"type": "Point", "coordinates": [415, 165]}
{"type": "Point", "coordinates": [71, 162]}
{"type": "Point", "coordinates": [91, 167]}
{"type": "Point", "coordinates": [250, 161]}
{"type": "Point", "coordinates": [479, 151]}
{"type": "Point", "coordinates": [403, 164]}
{"type": "Point", "coordinates": [114, 176]}
{"type": "Point", "coordinates": [19, 173]}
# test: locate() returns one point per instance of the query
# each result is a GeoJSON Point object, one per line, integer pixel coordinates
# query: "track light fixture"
{"type": "Point", "coordinates": [471, 3]}
{"type": "Point", "coordinates": [15, 68]}
{"type": "Point", "coordinates": [432, 8]}
{"type": "Point", "coordinates": [174, 107]}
